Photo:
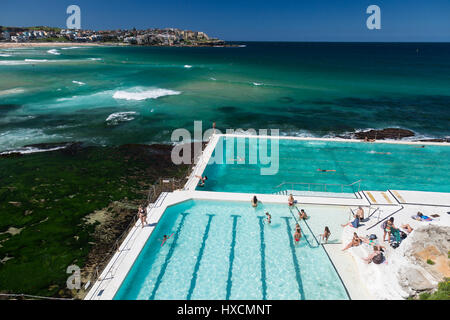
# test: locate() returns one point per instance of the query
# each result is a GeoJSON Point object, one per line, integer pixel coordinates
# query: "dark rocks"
{"type": "Point", "coordinates": [388, 133]}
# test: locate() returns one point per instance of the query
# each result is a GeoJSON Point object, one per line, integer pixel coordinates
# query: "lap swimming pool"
{"type": "Point", "coordinates": [225, 250]}
{"type": "Point", "coordinates": [379, 166]}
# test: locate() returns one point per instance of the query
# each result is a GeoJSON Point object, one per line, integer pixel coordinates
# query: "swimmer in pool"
{"type": "Point", "coordinates": [323, 170]}
{"type": "Point", "coordinates": [201, 183]}
{"type": "Point", "coordinates": [297, 234]}
{"type": "Point", "coordinates": [269, 218]}
{"type": "Point", "coordinates": [254, 202]}
{"type": "Point", "coordinates": [165, 238]}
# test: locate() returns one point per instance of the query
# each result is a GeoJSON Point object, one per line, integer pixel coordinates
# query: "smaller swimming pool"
{"type": "Point", "coordinates": [226, 250]}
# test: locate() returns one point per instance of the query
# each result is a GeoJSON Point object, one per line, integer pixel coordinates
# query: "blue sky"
{"type": "Point", "coordinates": [270, 20]}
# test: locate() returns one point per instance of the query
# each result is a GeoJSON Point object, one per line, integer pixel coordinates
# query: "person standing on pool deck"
{"type": "Point", "coordinates": [142, 215]}
{"type": "Point", "coordinates": [254, 202]}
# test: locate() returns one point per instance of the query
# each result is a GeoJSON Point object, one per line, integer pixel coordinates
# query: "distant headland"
{"type": "Point", "coordinates": [149, 37]}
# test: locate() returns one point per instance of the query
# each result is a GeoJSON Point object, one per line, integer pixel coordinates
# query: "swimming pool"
{"type": "Point", "coordinates": [379, 166]}
{"type": "Point", "coordinates": [225, 250]}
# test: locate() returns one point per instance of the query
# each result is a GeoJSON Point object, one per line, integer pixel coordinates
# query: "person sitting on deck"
{"type": "Point", "coordinates": [291, 200]}
{"type": "Point", "coordinates": [354, 223]}
{"type": "Point", "coordinates": [298, 233]}
{"type": "Point", "coordinates": [356, 241]}
{"type": "Point", "coordinates": [376, 256]}
{"type": "Point", "coordinates": [201, 183]}
{"type": "Point", "coordinates": [407, 227]}
{"type": "Point", "coordinates": [302, 215]}
{"type": "Point", "coordinates": [254, 202]}
{"type": "Point", "coordinates": [360, 213]}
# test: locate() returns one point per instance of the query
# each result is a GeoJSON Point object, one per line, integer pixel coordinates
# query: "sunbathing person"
{"type": "Point", "coordinates": [354, 223]}
{"type": "Point", "coordinates": [407, 227]}
{"type": "Point", "coordinates": [376, 256]}
{"type": "Point", "coordinates": [421, 217]}
{"type": "Point", "coordinates": [356, 241]}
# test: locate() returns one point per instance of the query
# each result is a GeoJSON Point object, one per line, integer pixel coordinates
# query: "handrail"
{"type": "Point", "coordinates": [315, 183]}
{"type": "Point", "coordinates": [309, 184]}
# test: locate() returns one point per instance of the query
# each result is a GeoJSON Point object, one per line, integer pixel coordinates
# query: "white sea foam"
{"type": "Point", "coordinates": [257, 83]}
{"type": "Point", "coordinates": [116, 118]}
{"type": "Point", "coordinates": [78, 82]}
{"type": "Point", "coordinates": [95, 59]}
{"type": "Point", "coordinates": [54, 51]}
{"type": "Point", "coordinates": [4, 55]}
{"type": "Point", "coordinates": [36, 60]}
{"type": "Point", "coordinates": [30, 150]}
{"type": "Point", "coordinates": [11, 91]}
{"type": "Point", "coordinates": [213, 79]}
{"type": "Point", "coordinates": [68, 48]}
{"type": "Point", "coordinates": [66, 99]}
{"type": "Point", "coordinates": [187, 66]}
{"type": "Point", "coordinates": [12, 62]}
{"type": "Point", "coordinates": [139, 93]}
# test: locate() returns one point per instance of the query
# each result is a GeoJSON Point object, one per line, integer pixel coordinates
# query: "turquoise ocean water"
{"type": "Point", "coordinates": [117, 95]}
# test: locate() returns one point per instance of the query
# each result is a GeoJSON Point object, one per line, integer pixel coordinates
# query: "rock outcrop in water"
{"type": "Point", "coordinates": [388, 133]}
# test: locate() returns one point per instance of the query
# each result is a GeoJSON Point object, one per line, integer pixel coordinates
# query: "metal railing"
{"type": "Point", "coordinates": [354, 187]}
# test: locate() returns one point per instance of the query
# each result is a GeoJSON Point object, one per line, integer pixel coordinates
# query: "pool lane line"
{"type": "Point", "coordinates": [231, 257]}
{"type": "Point", "coordinates": [199, 257]}
{"type": "Point", "coordinates": [294, 260]}
{"type": "Point", "coordinates": [263, 257]}
{"type": "Point", "coordinates": [168, 256]}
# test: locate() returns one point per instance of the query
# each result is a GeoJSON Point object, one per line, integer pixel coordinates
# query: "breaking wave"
{"type": "Point", "coordinates": [116, 118]}
{"type": "Point", "coordinates": [139, 93]}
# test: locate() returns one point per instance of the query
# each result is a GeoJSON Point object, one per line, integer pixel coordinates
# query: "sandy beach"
{"type": "Point", "coordinates": [5, 45]}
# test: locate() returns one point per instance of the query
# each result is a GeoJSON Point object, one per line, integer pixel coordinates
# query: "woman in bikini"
{"type": "Point", "coordinates": [356, 241]}
{"type": "Point", "coordinates": [142, 215]}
